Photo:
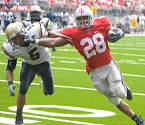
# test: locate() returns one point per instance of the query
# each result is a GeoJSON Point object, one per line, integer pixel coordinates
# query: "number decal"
{"type": "Point", "coordinates": [98, 40]}
{"type": "Point", "coordinates": [34, 54]}
{"type": "Point", "coordinates": [88, 48]}
{"type": "Point", "coordinates": [100, 45]}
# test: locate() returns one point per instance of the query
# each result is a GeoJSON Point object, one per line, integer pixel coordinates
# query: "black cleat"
{"type": "Point", "coordinates": [140, 121]}
{"type": "Point", "coordinates": [19, 120]}
{"type": "Point", "coordinates": [129, 94]}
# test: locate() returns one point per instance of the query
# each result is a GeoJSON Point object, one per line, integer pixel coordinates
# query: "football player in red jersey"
{"type": "Point", "coordinates": [90, 38]}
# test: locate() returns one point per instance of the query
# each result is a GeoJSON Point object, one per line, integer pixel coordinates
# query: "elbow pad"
{"type": "Point", "coordinates": [11, 64]}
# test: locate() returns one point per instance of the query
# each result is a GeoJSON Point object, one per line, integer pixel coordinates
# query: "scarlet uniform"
{"type": "Point", "coordinates": [92, 44]}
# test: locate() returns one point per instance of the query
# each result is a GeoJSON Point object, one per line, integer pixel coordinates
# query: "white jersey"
{"type": "Point", "coordinates": [33, 54]}
{"type": "Point", "coordinates": [44, 21]}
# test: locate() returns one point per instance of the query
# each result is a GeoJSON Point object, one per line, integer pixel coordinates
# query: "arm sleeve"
{"type": "Point", "coordinates": [7, 49]}
{"type": "Point", "coordinates": [66, 34]}
{"type": "Point", "coordinates": [107, 24]}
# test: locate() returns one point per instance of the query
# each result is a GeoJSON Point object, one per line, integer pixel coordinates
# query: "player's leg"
{"type": "Point", "coordinates": [9, 73]}
{"type": "Point", "coordinates": [41, 83]}
{"type": "Point", "coordinates": [44, 69]}
{"type": "Point", "coordinates": [53, 49]}
{"type": "Point", "coordinates": [98, 77]}
{"type": "Point", "coordinates": [119, 91]}
{"type": "Point", "coordinates": [115, 75]}
{"type": "Point", "coordinates": [26, 77]}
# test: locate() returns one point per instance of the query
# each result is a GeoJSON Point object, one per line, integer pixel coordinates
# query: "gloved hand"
{"type": "Point", "coordinates": [29, 40]}
{"type": "Point", "coordinates": [115, 34]}
{"type": "Point", "coordinates": [11, 89]}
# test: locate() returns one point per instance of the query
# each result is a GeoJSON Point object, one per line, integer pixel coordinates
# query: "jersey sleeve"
{"type": "Point", "coordinates": [66, 34]}
{"type": "Point", "coordinates": [7, 49]}
{"type": "Point", "coordinates": [107, 23]}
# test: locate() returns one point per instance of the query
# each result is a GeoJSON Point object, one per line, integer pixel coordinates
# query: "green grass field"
{"type": "Point", "coordinates": [75, 101]}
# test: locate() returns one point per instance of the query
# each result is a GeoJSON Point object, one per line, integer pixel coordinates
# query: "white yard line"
{"type": "Point", "coordinates": [71, 87]}
{"type": "Point", "coordinates": [80, 70]}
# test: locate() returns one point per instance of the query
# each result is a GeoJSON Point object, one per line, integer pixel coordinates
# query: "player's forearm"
{"type": "Point", "coordinates": [47, 42]}
{"type": "Point", "coordinates": [51, 42]}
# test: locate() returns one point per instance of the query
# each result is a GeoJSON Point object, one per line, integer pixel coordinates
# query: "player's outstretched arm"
{"type": "Point", "coordinates": [114, 35]}
{"type": "Point", "coordinates": [48, 42]}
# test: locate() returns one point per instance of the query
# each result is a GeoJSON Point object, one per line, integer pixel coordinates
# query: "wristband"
{"type": "Point", "coordinates": [37, 41]}
{"type": "Point", "coordinates": [10, 82]}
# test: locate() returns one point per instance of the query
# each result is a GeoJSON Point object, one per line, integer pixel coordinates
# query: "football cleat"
{"type": "Point", "coordinates": [19, 121]}
{"type": "Point", "coordinates": [19, 118]}
{"type": "Point", "coordinates": [129, 94]}
{"type": "Point", "coordinates": [140, 121]}
{"type": "Point", "coordinates": [11, 90]}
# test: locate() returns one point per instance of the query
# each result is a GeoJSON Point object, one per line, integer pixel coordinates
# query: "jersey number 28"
{"type": "Point", "coordinates": [97, 40]}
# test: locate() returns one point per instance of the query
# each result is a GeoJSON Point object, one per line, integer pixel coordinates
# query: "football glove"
{"type": "Point", "coordinates": [11, 89]}
{"type": "Point", "coordinates": [29, 40]}
{"type": "Point", "coordinates": [115, 34]}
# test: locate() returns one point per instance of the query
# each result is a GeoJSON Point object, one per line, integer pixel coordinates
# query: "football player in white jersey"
{"type": "Point", "coordinates": [35, 60]}
{"type": "Point", "coordinates": [35, 15]}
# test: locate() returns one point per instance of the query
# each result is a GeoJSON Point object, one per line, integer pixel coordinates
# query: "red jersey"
{"type": "Point", "coordinates": [91, 44]}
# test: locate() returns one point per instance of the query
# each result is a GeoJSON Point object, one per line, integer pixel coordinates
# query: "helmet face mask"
{"type": "Point", "coordinates": [35, 13]}
{"type": "Point", "coordinates": [19, 39]}
{"type": "Point", "coordinates": [84, 22]}
{"type": "Point", "coordinates": [84, 17]}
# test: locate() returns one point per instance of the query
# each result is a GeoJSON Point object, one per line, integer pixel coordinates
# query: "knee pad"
{"type": "Point", "coordinates": [23, 89]}
{"type": "Point", "coordinates": [119, 90]}
{"type": "Point", "coordinates": [103, 90]}
{"type": "Point", "coordinates": [99, 88]}
{"type": "Point", "coordinates": [114, 100]}
{"type": "Point", "coordinates": [121, 93]}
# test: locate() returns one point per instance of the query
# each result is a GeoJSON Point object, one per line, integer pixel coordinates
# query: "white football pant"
{"type": "Point", "coordinates": [109, 82]}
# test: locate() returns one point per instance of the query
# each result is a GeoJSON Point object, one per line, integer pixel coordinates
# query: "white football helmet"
{"type": "Point", "coordinates": [15, 33]}
{"type": "Point", "coordinates": [84, 11]}
{"type": "Point", "coordinates": [35, 13]}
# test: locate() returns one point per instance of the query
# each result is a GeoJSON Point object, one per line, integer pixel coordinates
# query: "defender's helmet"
{"type": "Point", "coordinates": [35, 13]}
{"type": "Point", "coordinates": [84, 11]}
{"type": "Point", "coordinates": [15, 33]}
